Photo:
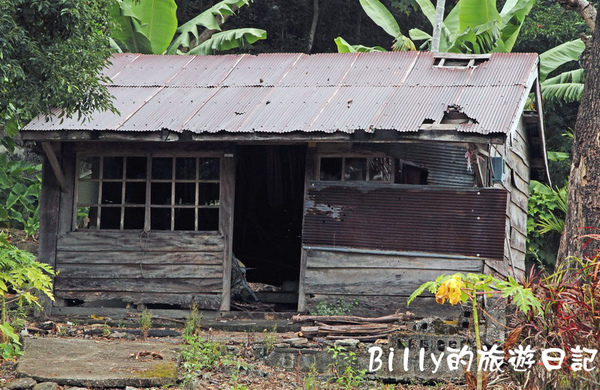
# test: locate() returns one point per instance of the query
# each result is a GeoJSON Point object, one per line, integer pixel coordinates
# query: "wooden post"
{"type": "Point", "coordinates": [226, 223]}
{"type": "Point", "coordinates": [49, 150]}
{"type": "Point", "coordinates": [49, 217]}
{"type": "Point", "coordinates": [309, 175]}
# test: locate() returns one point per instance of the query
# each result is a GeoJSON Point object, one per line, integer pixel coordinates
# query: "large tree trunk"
{"type": "Point", "coordinates": [583, 214]}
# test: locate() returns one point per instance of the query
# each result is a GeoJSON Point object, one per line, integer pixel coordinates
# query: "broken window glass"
{"type": "Point", "coordinates": [380, 169]}
{"type": "Point", "coordinates": [355, 169]}
{"type": "Point", "coordinates": [112, 168]}
{"type": "Point", "coordinates": [331, 169]}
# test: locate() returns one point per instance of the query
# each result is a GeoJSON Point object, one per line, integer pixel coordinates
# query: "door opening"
{"type": "Point", "coordinates": [267, 227]}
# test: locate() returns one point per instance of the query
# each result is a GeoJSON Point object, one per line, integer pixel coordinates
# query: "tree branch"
{"type": "Point", "coordinates": [313, 27]}
{"type": "Point", "coordinates": [584, 8]}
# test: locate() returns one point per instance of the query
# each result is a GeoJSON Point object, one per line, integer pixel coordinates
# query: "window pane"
{"type": "Point", "coordinates": [135, 193]}
{"type": "Point", "coordinates": [185, 169]}
{"type": "Point", "coordinates": [111, 192]}
{"type": "Point", "coordinates": [110, 218]}
{"type": "Point", "coordinates": [185, 193]}
{"type": "Point", "coordinates": [113, 168]}
{"type": "Point", "coordinates": [161, 193]}
{"type": "Point", "coordinates": [184, 219]}
{"type": "Point", "coordinates": [209, 169]}
{"type": "Point", "coordinates": [209, 194]}
{"type": "Point", "coordinates": [134, 218]}
{"type": "Point", "coordinates": [356, 169]}
{"type": "Point", "coordinates": [331, 169]}
{"type": "Point", "coordinates": [380, 169]}
{"type": "Point", "coordinates": [160, 219]}
{"type": "Point", "coordinates": [136, 167]}
{"type": "Point", "coordinates": [89, 168]}
{"type": "Point", "coordinates": [162, 168]}
{"type": "Point", "coordinates": [208, 219]}
{"type": "Point", "coordinates": [87, 217]}
{"type": "Point", "coordinates": [87, 192]}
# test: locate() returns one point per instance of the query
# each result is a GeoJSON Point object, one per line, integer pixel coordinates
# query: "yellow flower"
{"type": "Point", "coordinates": [451, 290]}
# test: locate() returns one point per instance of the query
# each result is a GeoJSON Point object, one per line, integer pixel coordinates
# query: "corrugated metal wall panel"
{"type": "Point", "coordinates": [406, 218]}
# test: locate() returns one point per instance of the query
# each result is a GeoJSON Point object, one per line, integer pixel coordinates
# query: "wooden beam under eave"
{"type": "Point", "coordinates": [49, 150]}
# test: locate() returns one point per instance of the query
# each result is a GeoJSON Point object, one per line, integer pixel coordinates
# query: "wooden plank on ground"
{"type": "Point", "coordinates": [204, 301]}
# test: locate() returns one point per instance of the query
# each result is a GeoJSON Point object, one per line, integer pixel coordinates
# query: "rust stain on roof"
{"type": "Point", "coordinates": [289, 92]}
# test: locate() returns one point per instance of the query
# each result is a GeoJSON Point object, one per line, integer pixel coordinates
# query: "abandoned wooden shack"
{"type": "Point", "coordinates": [352, 177]}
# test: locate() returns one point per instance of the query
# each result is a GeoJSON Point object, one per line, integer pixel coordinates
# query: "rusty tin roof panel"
{"type": "Point", "coordinates": [205, 71]}
{"type": "Point", "coordinates": [298, 92]}
{"type": "Point", "coordinates": [151, 70]}
{"type": "Point", "coordinates": [264, 70]}
{"type": "Point", "coordinates": [169, 109]}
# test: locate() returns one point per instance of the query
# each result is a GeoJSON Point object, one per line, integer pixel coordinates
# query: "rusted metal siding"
{"type": "Point", "coordinates": [289, 92]}
{"type": "Point", "coordinates": [406, 218]}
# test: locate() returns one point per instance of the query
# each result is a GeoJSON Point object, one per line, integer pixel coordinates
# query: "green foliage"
{"type": "Point", "coordinates": [21, 278]}
{"type": "Point", "coordinates": [211, 19]}
{"type": "Point", "coordinates": [193, 321]}
{"type": "Point", "coordinates": [476, 26]}
{"type": "Point", "coordinates": [145, 26]}
{"type": "Point", "coordinates": [339, 308]}
{"type": "Point", "coordinates": [51, 56]}
{"type": "Point", "coordinates": [145, 322]}
{"type": "Point", "coordinates": [269, 339]}
{"type": "Point", "coordinates": [345, 47]}
{"type": "Point", "coordinates": [344, 368]}
{"type": "Point", "coordinates": [384, 19]}
{"type": "Point", "coordinates": [566, 87]}
{"type": "Point", "coordinates": [227, 40]}
{"type": "Point", "coordinates": [547, 208]}
{"type": "Point", "coordinates": [20, 187]}
{"type": "Point", "coordinates": [199, 354]}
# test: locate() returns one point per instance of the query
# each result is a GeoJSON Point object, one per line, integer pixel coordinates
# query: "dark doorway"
{"type": "Point", "coordinates": [268, 220]}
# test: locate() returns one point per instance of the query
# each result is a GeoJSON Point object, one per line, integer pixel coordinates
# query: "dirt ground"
{"type": "Point", "coordinates": [252, 375]}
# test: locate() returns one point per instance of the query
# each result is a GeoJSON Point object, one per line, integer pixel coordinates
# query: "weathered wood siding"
{"type": "Point", "coordinates": [516, 182]}
{"type": "Point", "coordinates": [141, 268]}
{"type": "Point", "coordinates": [375, 282]}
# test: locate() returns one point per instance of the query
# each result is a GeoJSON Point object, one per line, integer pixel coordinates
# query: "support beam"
{"type": "Point", "coordinates": [49, 150]}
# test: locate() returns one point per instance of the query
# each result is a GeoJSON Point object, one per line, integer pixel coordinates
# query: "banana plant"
{"type": "Point", "coordinates": [145, 27]}
{"type": "Point", "coordinates": [476, 26]}
{"type": "Point", "coordinates": [191, 40]}
{"type": "Point", "coordinates": [150, 27]}
{"type": "Point", "coordinates": [384, 19]}
{"type": "Point", "coordinates": [566, 87]}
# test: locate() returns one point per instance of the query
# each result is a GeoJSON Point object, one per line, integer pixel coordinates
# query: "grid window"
{"type": "Point", "coordinates": [148, 193]}
{"type": "Point", "coordinates": [357, 169]}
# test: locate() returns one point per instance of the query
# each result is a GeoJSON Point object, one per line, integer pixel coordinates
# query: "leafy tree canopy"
{"type": "Point", "coordinates": [51, 55]}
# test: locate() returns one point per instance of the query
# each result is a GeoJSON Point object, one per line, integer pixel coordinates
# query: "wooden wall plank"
{"type": "Point", "coordinates": [140, 271]}
{"type": "Point", "coordinates": [99, 241]}
{"type": "Point", "coordinates": [368, 281]}
{"type": "Point", "coordinates": [204, 301]}
{"type": "Point", "coordinates": [140, 285]}
{"type": "Point", "coordinates": [380, 305]}
{"type": "Point", "coordinates": [112, 257]}
{"type": "Point", "coordinates": [338, 259]}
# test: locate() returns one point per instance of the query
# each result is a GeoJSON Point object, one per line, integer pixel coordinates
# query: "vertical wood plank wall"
{"type": "Point", "coordinates": [516, 182]}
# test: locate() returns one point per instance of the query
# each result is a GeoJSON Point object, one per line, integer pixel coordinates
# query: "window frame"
{"type": "Point", "coordinates": [147, 205]}
{"type": "Point", "coordinates": [351, 155]}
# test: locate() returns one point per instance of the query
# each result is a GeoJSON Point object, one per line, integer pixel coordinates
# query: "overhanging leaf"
{"type": "Point", "coordinates": [227, 40]}
{"type": "Point", "coordinates": [381, 16]}
{"type": "Point", "coordinates": [552, 59]}
{"type": "Point", "coordinates": [158, 22]}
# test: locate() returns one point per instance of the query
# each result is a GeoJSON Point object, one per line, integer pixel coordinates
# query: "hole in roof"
{"type": "Point", "coordinates": [455, 115]}
{"type": "Point", "coordinates": [458, 62]}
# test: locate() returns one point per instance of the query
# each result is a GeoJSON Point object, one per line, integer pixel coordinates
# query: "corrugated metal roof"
{"type": "Point", "coordinates": [298, 92]}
